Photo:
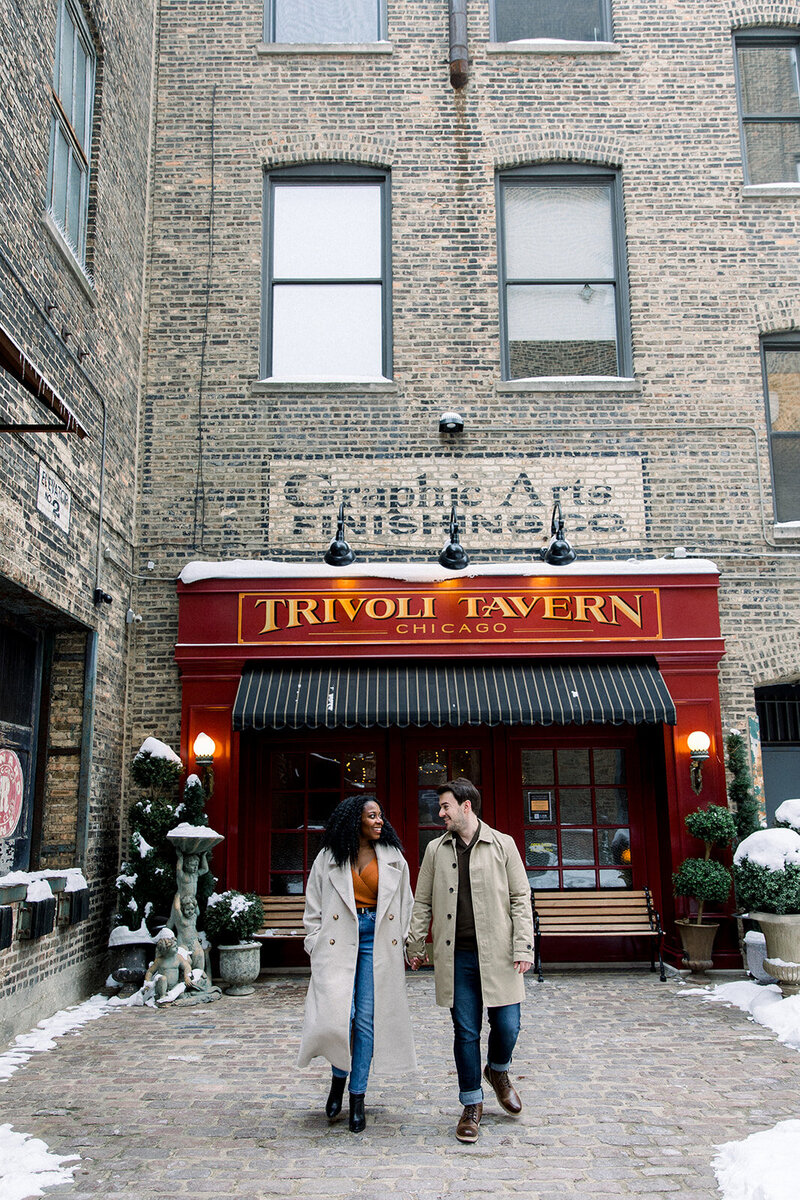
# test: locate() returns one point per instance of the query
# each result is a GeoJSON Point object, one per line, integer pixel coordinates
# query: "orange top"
{"type": "Point", "coordinates": [365, 885]}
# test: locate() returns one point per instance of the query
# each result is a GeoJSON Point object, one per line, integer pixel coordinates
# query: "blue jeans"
{"type": "Point", "coordinates": [467, 1014]}
{"type": "Point", "coordinates": [362, 1009]}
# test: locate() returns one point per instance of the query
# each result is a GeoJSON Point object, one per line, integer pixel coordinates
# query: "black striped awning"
{"type": "Point", "coordinates": [614, 692]}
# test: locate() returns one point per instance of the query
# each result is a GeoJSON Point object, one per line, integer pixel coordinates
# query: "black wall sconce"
{"type": "Point", "coordinates": [559, 552]}
{"type": "Point", "coordinates": [339, 553]}
{"type": "Point", "coordinates": [454, 557]}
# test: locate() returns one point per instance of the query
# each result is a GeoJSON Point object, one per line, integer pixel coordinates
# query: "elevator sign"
{"type": "Point", "coordinates": [11, 792]}
{"type": "Point", "coordinates": [395, 616]}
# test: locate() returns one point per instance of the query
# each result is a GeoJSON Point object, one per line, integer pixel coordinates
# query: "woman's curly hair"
{"type": "Point", "coordinates": [342, 832]}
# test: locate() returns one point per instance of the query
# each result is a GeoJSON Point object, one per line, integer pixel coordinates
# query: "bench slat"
{"type": "Point", "coordinates": [593, 914]}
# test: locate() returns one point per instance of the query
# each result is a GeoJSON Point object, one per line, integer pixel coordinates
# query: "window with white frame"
{"type": "Point", "coordinates": [327, 296]}
{"type": "Point", "coordinates": [781, 365]}
{"type": "Point", "coordinates": [324, 21]}
{"type": "Point", "coordinates": [528, 20]}
{"type": "Point", "coordinates": [768, 77]}
{"type": "Point", "coordinates": [71, 129]}
{"type": "Point", "coordinates": [563, 294]}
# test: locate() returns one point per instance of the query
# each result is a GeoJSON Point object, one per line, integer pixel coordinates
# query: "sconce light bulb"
{"type": "Point", "coordinates": [698, 742]}
{"type": "Point", "coordinates": [204, 747]}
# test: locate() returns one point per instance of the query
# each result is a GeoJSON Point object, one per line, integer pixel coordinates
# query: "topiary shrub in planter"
{"type": "Point", "coordinates": [705, 880]}
{"type": "Point", "coordinates": [231, 920]}
{"type": "Point", "coordinates": [767, 872]}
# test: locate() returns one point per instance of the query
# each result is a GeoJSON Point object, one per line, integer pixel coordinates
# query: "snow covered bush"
{"type": "Point", "coordinates": [146, 882]}
{"type": "Point", "coordinates": [766, 868]}
{"type": "Point", "coordinates": [787, 815]}
{"type": "Point", "coordinates": [233, 917]}
{"type": "Point", "coordinates": [705, 879]}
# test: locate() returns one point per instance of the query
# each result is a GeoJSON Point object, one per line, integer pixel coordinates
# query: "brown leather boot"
{"type": "Point", "coordinates": [506, 1095]}
{"type": "Point", "coordinates": [468, 1127]}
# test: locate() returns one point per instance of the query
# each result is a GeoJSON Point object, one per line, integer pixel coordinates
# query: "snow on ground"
{"type": "Point", "coordinates": [27, 1166]}
{"type": "Point", "coordinates": [763, 1166]}
{"type": "Point", "coordinates": [764, 1004]}
{"type": "Point", "coordinates": [43, 1036]}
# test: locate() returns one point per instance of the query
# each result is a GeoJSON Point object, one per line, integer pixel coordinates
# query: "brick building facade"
{"type": "Point", "coordinates": [76, 81]}
{"type": "Point", "coordinates": [587, 249]}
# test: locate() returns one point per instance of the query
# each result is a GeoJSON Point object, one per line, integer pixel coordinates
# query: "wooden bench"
{"type": "Point", "coordinates": [283, 917]}
{"type": "Point", "coordinates": [596, 914]}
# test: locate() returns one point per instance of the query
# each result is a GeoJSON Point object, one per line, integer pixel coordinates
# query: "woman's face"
{"type": "Point", "coordinates": [371, 821]}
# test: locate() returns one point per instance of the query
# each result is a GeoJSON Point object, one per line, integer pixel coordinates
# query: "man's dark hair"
{"type": "Point", "coordinates": [341, 834]}
{"type": "Point", "coordinates": [463, 790]}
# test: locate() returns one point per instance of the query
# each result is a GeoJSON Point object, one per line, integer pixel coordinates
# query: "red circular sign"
{"type": "Point", "coordinates": [11, 789]}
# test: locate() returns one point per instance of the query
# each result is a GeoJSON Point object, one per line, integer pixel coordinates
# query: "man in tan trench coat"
{"type": "Point", "coordinates": [472, 883]}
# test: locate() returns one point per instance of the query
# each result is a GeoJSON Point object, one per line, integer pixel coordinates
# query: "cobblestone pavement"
{"type": "Point", "coordinates": [627, 1089]}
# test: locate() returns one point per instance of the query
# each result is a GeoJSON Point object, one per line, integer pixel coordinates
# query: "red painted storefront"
{"type": "Point", "coordinates": [571, 794]}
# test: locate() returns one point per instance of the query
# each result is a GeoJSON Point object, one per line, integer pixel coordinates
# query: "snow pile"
{"type": "Point", "coordinates": [44, 1035]}
{"type": "Point", "coordinates": [38, 889]}
{"type": "Point", "coordinates": [121, 935]}
{"type": "Point", "coordinates": [157, 749]}
{"type": "Point", "coordinates": [789, 813]}
{"type": "Point", "coordinates": [192, 831]}
{"type": "Point", "coordinates": [27, 1166]}
{"type": "Point", "coordinates": [774, 849]}
{"type": "Point", "coordinates": [764, 1166]}
{"type": "Point", "coordinates": [764, 1004]}
{"type": "Point", "coordinates": [76, 881]}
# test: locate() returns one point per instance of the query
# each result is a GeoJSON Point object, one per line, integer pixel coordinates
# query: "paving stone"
{"type": "Point", "coordinates": [603, 1117]}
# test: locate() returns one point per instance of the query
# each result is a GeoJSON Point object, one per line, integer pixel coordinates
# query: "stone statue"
{"type": "Point", "coordinates": [183, 921]}
{"type": "Point", "coordinates": [190, 867]}
{"type": "Point", "coordinates": [169, 967]}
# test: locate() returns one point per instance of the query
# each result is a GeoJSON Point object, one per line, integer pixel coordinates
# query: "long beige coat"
{"type": "Point", "coordinates": [332, 942]}
{"type": "Point", "coordinates": [501, 900]}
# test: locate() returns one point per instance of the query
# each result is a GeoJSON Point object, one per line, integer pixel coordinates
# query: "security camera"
{"type": "Point", "coordinates": [451, 422]}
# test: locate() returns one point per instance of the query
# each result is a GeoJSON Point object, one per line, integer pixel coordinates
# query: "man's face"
{"type": "Point", "coordinates": [454, 814]}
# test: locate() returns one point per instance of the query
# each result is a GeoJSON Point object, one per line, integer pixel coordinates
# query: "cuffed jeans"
{"type": "Point", "coordinates": [467, 1014]}
{"type": "Point", "coordinates": [362, 1010]}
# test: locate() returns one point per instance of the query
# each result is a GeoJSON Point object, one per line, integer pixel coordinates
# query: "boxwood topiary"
{"type": "Point", "coordinates": [703, 879]}
{"type": "Point", "coordinates": [233, 917]}
{"type": "Point", "coordinates": [761, 890]}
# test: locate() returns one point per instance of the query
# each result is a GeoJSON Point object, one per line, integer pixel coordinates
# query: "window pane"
{"type": "Point", "coordinates": [609, 766]}
{"type": "Point", "coordinates": [575, 806]}
{"type": "Point", "coordinates": [79, 100]}
{"type": "Point", "coordinates": [580, 20]}
{"type": "Point", "coordinates": [324, 771]}
{"type": "Point", "coordinates": [541, 880]}
{"type": "Point", "coordinates": [288, 770]}
{"type": "Point", "coordinates": [561, 330]}
{"type": "Point", "coordinates": [327, 331]}
{"type": "Point", "coordinates": [773, 151]}
{"type": "Point", "coordinates": [66, 61]}
{"type": "Point", "coordinates": [537, 767]}
{"type": "Point", "coordinates": [74, 196]}
{"type": "Point", "coordinates": [320, 807]}
{"type": "Point", "coordinates": [577, 846]}
{"type": "Point", "coordinates": [768, 77]}
{"type": "Point", "coordinates": [616, 879]}
{"type": "Point", "coordinates": [573, 766]}
{"type": "Point", "coordinates": [466, 764]}
{"type": "Point", "coordinates": [287, 851]}
{"type": "Point", "coordinates": [579, 879]}
{"type": "Point", "coordinates": [612, 806]}
{"type": "Point", "coordinates": [614, 847]}
{"type": "Point", "coordinates": [428, 807]}
{"type": "Point", "coordinates": [541, 848]}
{"type": "Point", "coordinates": [558, 233]}
{"type": "Point", "coordinates": [288, 811]}
{"type": "Point", "coordinates": [425, 836]}
{"type": "Point", "coordinates": [327, 231]}
{"type": "Point", "coordinates": [326, 21]}
{"type": "Point", "coordinates": [286, 885]}
{"type": "Point", "coordinates": [786, 477]}
{"type": "Point", "coordinates": [59, 185]}
{"type": "Point", "coordinates": [360, 771]}
{"type": "Point", "coordinates": [783, 389]}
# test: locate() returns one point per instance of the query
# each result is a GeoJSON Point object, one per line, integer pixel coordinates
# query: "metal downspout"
{"type": "Point", "coordinates": [459, 54]}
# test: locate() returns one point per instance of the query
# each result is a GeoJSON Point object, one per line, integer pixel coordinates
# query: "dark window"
{"type": "Point", "coordinates": [769, 104]}
{"type": "Point", "coordinates": [72, 99]}
{"type": "Point", "coordinates": [781, 360]}
{"type": "Point", "coordinates": [327, 293]}
{"type": "Point", "coordinates": [562, 275]}
{"type": "Point", "coordinates": [319, 21]}
{"type": "Point", "coordinates": [578, 21]}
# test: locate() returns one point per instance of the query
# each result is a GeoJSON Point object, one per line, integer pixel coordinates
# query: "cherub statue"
{"type": "Point", "coordinates": [169, 967]}
{"type": "Point", "coordinates": [183, 920]}
{"type": "Point", "coordinates": [190, 867]}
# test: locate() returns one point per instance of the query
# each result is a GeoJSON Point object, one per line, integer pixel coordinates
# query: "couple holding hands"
{"type": "Point", "coordinates": [363, 925]}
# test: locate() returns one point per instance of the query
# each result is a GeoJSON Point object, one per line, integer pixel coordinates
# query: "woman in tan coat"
{"type": "Point", "coordinates": [358, 908]}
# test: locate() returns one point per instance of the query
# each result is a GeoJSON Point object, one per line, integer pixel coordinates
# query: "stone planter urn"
{"type": "Point", "coordinates": [239, 966]}
{"type": "Point", "coordinates": [782, 959]}
{"type": "Point", "coordinates": [697, 941]}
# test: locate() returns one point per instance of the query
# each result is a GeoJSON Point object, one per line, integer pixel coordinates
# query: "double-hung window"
{"type": "Point", "coordinates": [563, 295]}
{"type": "Point", "coordinates": [528, 20]}
{"type": "Point", "coordinates": [324, 21]}
{"type": "Point", "coordinates": [71, 128]}
{"type": "Point", "coordinates": [327, 314]}
{"type": "Point", "coordinates": [781, 365]}
{"type": "Point", "coordinates": [768, 75]}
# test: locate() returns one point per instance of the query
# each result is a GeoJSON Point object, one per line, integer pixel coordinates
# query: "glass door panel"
{"type": "Point", "coordinates": [433, 765]}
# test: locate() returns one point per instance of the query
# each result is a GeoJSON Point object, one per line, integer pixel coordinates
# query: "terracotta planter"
{"type": "Point", "coordinates": [239, 967]}
{"type": "Point", "coordinates": [782, 959]}
{"type": "Point", "coordinates": [697, 941]}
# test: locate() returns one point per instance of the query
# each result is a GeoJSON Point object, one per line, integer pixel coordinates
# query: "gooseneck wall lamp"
{"type": "Point", "coordinates": [559, 552]}
{"type": "Point", "coordinates": [204, 748]}
{"type": "Point", "coordinates": [698, 743]}
{"type": "Point", "coordinates": [339, 553]}
{"type": "Point", "coordinates": [454, 557]}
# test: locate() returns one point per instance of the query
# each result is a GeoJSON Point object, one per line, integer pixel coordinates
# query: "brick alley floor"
{"type": "Point", "coordinates": [627, 1089]}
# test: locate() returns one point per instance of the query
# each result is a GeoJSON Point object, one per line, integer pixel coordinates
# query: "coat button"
{"type": "Point", "coordinates": [394, 941]}
{"type": "Point", "coordinates": [336, 916]}
{"type": "Point", "coordinates": [391, 916]}
{"type": "Point", "coordinates": [333, 941]}
{"type": "Point", "coordinates": [454, 866]}
{"type": "Point", "coordinates": [447, 943]}
{"type": "Point", "coordinates": [449, 916]}
{"type": "Point", "coordinates": [452, 889]}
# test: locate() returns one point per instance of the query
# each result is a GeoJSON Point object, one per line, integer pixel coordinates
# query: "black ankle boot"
{"type": "Point", "coordinates": [357, 1118]}
{"type": "Point", "coordinates": [333, 1105]}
